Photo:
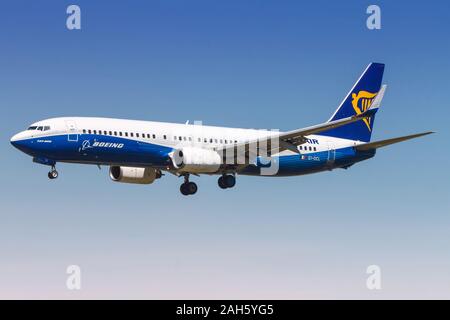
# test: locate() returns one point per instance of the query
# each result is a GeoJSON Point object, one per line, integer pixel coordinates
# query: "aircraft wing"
{"type": "Point", "coordinates": [291, 139]}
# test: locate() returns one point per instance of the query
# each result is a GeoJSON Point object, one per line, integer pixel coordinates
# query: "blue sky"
{"type": "Point", "coordinates": [255, 64]}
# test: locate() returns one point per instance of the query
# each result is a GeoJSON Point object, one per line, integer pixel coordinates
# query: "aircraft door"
{"type": "Point", "coordinates": [331, 153]}
{"type": "Point", "coordinates": [72, 134]}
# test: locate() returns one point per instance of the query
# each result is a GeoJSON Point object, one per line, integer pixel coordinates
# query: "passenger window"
{"type": "Point", "coordinates": [84, 130]}
{"type": "Point", "coordinates": [179, 138]}
{"type": "Point", "coordinates": [110, 133]}
{"type": "Point", "coordinates": [310, 149]}
{"type": "Point", "coordinates": [115, 133]}
{"type": "Point", "coordinates": [184, 138]}
{"type": "Point", "coordinates": [199, 140]}
{"type": "Point", "coordinates": [95, 131]}
{"type": "Point", "coordinates": [120, 133]}
{"type": "Point", "coordinates": [165, 137]}
{"type": "Point", "coordinates": [126, 134]}
{"type": "Point", "coordinates": [210, 140]}
{"type": "Point", "coordinates": [315, 149]}
{"type": "Point", "coordinates": [137, 135]}
{"type": "Point", "coordinates": [221, 141]}
{"type": "Point", "coordinates": [215, 140]}
{"type": "Point", "coordinates": [89, 131]}
{"type": "Point", "coordinates": [131, 134]}
{"type": "Point", "coordinates": [190, 139]}
{"type": "Point", "coordinates": [226, 141]}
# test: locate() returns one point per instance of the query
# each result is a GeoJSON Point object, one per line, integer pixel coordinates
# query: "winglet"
{"type": "Point", "coordinates": [376, 103]}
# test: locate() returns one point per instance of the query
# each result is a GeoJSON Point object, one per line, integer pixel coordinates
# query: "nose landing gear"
{"type": "Point", "coordinates": [53, 174]}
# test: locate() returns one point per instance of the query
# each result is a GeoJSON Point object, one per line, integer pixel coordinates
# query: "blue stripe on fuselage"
{"type": "Point", "coordinates": [90, 148]}
{"type": "Point", "coordinates": [298, 164]}
{"type": "Point", "coordinates": [100, 149]}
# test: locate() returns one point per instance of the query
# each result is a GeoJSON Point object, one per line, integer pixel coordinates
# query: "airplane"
{"type": "Point", "coordinates": [142, 151]}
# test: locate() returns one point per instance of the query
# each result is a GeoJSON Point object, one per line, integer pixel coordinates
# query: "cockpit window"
{"type": "Point", "coordinates": [46, 128]}
{"type": "Point", "coordinates": [39, 128]}
{"type": "Point", "coordinates": [32, 128]}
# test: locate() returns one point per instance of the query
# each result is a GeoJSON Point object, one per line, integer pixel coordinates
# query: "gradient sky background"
{"type": "Point", "coordinates": [256, 64]}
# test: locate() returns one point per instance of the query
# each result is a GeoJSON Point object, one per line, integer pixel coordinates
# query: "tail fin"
{"type": "Point", "coordinates": [357, 101]}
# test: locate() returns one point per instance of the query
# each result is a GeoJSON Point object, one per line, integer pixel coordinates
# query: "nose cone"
{"type": "Point", "coordinates": [14, 139]}
{"type": "Point", "coordinates": [17, 140]}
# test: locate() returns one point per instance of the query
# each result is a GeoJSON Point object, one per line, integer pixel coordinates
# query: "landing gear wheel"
{"type": "Point", "coordinates": [53, 174]}
{"type": "Point", "coordinates": [187, 187]}
{"type": "Point", "coordinates": [191, 187]}
{"type": "Point", "coordinates": [221, 183]}
{"type": "Point", "coordinates": [183, 189]}
{"type": "Point", "coordinates": [226, 181]}
{"type": "Point", "coordinates": [229, 180]}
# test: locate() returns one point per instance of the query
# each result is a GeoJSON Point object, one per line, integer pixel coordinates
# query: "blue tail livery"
{"type": "Point", "coordinates": [357, 101]}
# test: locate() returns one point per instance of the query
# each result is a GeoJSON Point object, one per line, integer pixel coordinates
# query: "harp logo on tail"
{"type": "Point", "coordinates": [361, 102]}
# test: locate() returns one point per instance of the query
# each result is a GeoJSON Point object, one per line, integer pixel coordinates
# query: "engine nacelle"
{"type": "Point", "coordinates": [190, 159]}
{"type": "Point", "coordinates": [133, 175]}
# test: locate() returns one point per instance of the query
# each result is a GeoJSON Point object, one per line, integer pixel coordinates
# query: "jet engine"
{"type": "Point", "coordinates": [133, 174]}
{"type": "Point", "coordinates": [196, 160]}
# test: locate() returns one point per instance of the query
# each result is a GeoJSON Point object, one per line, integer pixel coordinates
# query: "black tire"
{"type": "Point", "coordinates": [191, 187]}
{"type": "Point", "coordinates": [230, 181]}
{"type": "Point", "coordinates": [53, 174]}
{"type": "Point", "coordinates": [184, 190]}
{"type": "Point", "coordinates": [221, 183]}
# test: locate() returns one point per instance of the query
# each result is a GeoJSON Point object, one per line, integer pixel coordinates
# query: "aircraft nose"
{"type": "Point", "coordinates": [16, 139]}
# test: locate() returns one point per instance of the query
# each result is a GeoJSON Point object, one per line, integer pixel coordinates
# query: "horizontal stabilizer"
{"type": "Point", "coordinates": [383, 143]}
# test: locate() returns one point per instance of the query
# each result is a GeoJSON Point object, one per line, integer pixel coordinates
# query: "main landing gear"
{"type": "Point", "coordinates": [187, 187]}
{"type": "Point", "coordinates": [226, 181]}
{"type": "Point", "coordinates": [53, 174]}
